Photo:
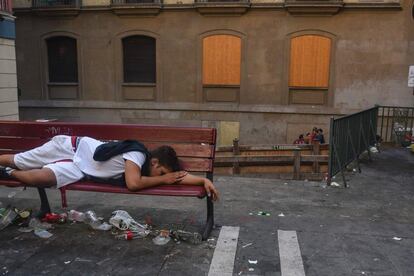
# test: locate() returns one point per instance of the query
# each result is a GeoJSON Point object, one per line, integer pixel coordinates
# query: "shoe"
{"type": "Point", "coordinates": [4, 174]}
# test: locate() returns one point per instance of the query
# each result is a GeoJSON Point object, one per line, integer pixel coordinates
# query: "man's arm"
{"type": "Point", "coordinates": [190, 179]}
{"type": "Point", "coordinates": [135, 181]}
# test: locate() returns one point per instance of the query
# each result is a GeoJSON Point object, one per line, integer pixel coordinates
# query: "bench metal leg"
{"type": "Point", "coordinates": [63, 197]}
{"type": "Point", "coordinates": [44, 203]}
{"type": "Point", "coordinates": [210, 219]}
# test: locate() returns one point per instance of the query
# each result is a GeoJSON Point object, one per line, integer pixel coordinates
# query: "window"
{"type": "Point", "coordinates": [62, 59]}
{"type": "Point", "coordinates": [221, 60]}
{"type": "Point", "coordinates": [139, 59]}
{"type": "Point", "coordinates": [309, 61]}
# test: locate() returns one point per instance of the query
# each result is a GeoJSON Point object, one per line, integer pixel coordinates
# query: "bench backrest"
{"type": "Point", "coordinates": [195, 147]}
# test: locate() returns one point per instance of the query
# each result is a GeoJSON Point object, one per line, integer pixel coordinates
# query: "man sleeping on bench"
{"type": "Point", "coordinates": [67, 159]}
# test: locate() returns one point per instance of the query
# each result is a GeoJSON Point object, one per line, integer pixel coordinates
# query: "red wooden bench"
{"type": "Point", "coordinates": [195, 148]}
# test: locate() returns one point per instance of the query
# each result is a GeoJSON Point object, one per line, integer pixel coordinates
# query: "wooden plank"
{"type": "Point", "coordinates": [109, 131]}
{"type": "Point", "coordinates": [183, 150]}
{"type": "Point", "coordinates": [196, 164]}
{"type": "Point", "coordinates": [309, 61]}
{"type": "Point", "coordinates": [187, 150]}
{"type": "Point", "coordinates": [20, 143]}
{"type": "Point", "coordinates": [162, 190]}
{"type": "Point", "coordinates": [221, 60]}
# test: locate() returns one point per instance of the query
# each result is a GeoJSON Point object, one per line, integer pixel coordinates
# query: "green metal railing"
{"type": "Point", "coordinates": [395, 123]}
{"type": "Point", "coordinates": [350, 136]}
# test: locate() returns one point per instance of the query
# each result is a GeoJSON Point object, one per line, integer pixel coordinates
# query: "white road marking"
{"type": "Point", "coordinates": [225, 252]}
{"type": "Point", "coordinates": [291, 263]}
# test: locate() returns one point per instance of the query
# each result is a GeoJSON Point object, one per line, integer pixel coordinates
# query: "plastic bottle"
{"type": "Point", "coordinates": [92, 219]}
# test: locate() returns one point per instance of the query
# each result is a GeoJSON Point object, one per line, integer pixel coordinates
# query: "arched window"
{"type": "Point", "coordinates": [309, 61]}
{"type": "Point", "coordinates": [139, 59]}
{"type": "Point", "coordinates": [62, 59]}
{"type": "Point", "coordinates": [221, 60]}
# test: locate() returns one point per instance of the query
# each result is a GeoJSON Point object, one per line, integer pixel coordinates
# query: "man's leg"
{"type": "Point", "coordinates": [37, 177]}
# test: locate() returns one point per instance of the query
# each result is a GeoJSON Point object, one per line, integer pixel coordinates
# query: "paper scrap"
{"type": "Point", "coordinates": [246, 245]}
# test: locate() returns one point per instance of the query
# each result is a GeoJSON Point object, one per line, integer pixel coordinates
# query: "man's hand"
{"type": "Point", "coordinates": [173, 178]}
{"type": "Point", "coordinates": [211, 190]}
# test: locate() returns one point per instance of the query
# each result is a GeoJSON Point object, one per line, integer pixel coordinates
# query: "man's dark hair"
{"type": "Point", "coordinates": [167, 157]}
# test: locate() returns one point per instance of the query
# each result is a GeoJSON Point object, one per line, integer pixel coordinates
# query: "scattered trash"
{"type": "Point", "coordinates": [252, 261]}
{"type": "Point", "coordinates": [163, 238]}
{"type": "Point", "coordinates": [7, 216]}
{"type": "Point", "coordinates": [67, 262]}
{"type": "Point", "coordinates": [281, 215]}
{"type": "Point", "coordinates": [354, 170]}
{"type": "Point", "coordinates": [11, 194]}
{"type": "Point", "coordinates": [376, 259]}
{"type": "Point", "coordinates": [335, 184]}
{"type": "Point", "coordinates": [285, 183]}
{"type": "Point", "coordinates": [397, 238]}
{"type": "Point", "coordinates": [36, 224]}
{"type": "Point", "coordinates": [211, 240]}
{"type": "Point", "coordinates": [123, 221]}
{"type": "Point", "coordinates": [55, 218]}
{"type": "Point", "coordinates": [251, 269]}
{"type": "Point", "coordinates": [25, 229]}
{"type": "Point", "coordinates": [74, 215]}
{"type": "Point", "coordinates": [363, 272]}
{"type": "Point", "coordinates": [41, 233]}
{"type": "Point", "coordinates": [373, 149]}
{"type": "Point", "coordinates": [191, 237]}
{"type": "Point", "coordinates": [94, 221]}
{"type": "Point", "coordinates": [240, 273]}
{"type": "Point", "coordinates": [246, 245]}
{"type": "Point", "coordinates": [250, 214]}
{"type": "Point", "coordinates": [128, 235]}
{"type": "Point", "coordinates": [77, 259]}
{"type": "Point", "coordinates": [262, 213]}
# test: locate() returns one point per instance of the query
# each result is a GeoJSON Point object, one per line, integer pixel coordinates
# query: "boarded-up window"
{"type": "Point", "coordinates": [221, 60]}
{"type": "Point", "coordinates": [309, 61]}
{"type": "Point", "coordinates": [139, 59]}
{"type": "Point", "coordinates": [62, 59]}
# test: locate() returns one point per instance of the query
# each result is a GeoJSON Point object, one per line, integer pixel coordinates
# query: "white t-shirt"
{"type": "Point", "coordinates": [113, 167]}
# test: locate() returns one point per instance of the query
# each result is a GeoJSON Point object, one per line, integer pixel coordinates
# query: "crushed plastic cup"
{"type": "Point", "coordinates": [163, 238]}
{"type": "Point", "coordinates": [41, 233]}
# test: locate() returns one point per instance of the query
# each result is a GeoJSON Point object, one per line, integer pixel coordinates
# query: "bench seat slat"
{"type": "Point", "coordinates": [164, 190]}
{"type": "Point", "coordinates": [103, 131]}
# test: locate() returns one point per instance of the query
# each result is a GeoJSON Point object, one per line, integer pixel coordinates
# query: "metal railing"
{"type": "Point", "coordinates": [395, 123]}
{"type": "Point", "coordinates": [56, 3]}
{"type": "Point", "coordinates": [6, 6]}
{"type": "Point", "coordinates": [133, 2]}
{"type": "Point", "coordinates": [350, 136]}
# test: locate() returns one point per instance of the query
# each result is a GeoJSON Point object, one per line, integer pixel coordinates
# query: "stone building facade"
{"type": "Point", "coordinates": [8, 80]}
{"type": "Point", "coordinates": [260, 70]}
